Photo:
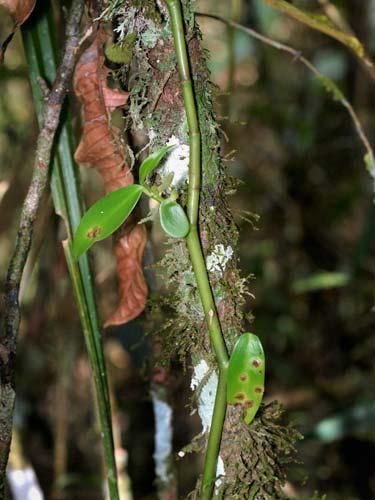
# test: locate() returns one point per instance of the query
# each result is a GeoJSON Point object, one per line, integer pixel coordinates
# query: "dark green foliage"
{"type": "Point", "coordinates": [122, 53]}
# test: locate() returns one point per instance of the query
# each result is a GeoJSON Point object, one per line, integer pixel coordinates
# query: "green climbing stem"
{"type": "Point", "coordinates": [196, 252]}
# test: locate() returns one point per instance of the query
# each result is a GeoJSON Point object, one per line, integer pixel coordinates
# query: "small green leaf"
{"type": "Point", "coordinates": [152, 162]}
{"type": "Point", "coordinates": [246, 375]}
{"type": "Point", "coordinates": [321, 281]}
{"type": "Point", "coordinates": [104, 217]}
{"type": "Point", "coordinates": [173, 219]}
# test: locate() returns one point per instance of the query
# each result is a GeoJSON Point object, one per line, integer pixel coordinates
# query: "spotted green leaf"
{"type": "Point", "coordinates": [246, 375]}
{"type": "Point", "coordinates": [104, 217]}
{"type": "Point", "coordinates": [173, 219]}
{"type": "Point", "coordinates": [151, 162]}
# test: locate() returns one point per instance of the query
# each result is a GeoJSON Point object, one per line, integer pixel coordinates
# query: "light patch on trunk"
{"type": "Point", "coordinates": [207, 393]}
{"type": "Point", "coordinates": [176, 162]}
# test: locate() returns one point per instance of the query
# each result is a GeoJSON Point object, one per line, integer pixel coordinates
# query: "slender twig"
{"type": "Point", "coordinates": [297, 56]}
{"type": "Point", "coordinates": [328, 28]}
{"type": "Point", "coordinates": [235, 12]}
{"type": "Point", "coordinates": [37, 187]}
{"type": "Point", "coordinates": [196, 252]}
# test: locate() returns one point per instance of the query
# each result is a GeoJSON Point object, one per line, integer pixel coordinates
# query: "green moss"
{"type": "Point", "coordinates": [122, 53]}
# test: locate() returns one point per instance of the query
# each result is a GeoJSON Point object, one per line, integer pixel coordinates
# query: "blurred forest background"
{"type": "Point", "coordinates": [305, 210]}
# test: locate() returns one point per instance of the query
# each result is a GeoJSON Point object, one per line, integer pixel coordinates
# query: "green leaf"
{"type": "Point", "coordinates": [320, 281]}
{"type": "Point", "coordinates": [246, 375]}
{"type": "Point", "coordinates": [173, 219]}
{"type": "Point", "coordinates": [104, 217]}
{"type": "Point", "coordinates": [151, 162]}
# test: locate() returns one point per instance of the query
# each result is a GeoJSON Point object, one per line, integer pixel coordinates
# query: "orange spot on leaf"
{"type": "Point", "coordinates": [94, 232]}
{"type": "Point", "coordinates": [240, 396]}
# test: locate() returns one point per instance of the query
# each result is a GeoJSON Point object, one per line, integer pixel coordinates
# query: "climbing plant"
{"type": "Point", "coordinates": [144, 60]}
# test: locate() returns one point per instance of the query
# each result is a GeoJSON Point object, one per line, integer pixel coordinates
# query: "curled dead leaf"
{"type": "Point", "coordinates": [20, 10]}
{"type": "Point", "coordinates": [129, 252]}
{"type": "Point", "coordinates": [100, 148]}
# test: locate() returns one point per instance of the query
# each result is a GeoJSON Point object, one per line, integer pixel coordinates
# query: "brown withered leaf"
{"type": "Point", "coordinates": [20, 11]}
{"type": "Point", "coordinates": [99, 149]}
{"type": "Point", "coordinates": [129, 252]}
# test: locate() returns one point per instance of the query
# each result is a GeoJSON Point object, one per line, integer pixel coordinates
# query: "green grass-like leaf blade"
{"type": "Point", "coordinates": [105, 216]}
{"type": "Point", "coordinates": [321, 281]}
{"type": "Point", "coordinates": [173, 219]}
{"type": "Point", "coordinates": [152, 161]}
{"type": "Point", "coordinates": [321, 23]}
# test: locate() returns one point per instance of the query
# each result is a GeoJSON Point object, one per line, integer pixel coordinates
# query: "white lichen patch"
{"type": "Point", "coordinates": [207, 392]}
{"type": "Point", "coordinates": [150, 36]}
{"type": "Point", "coordinates": [127, 22]}
{"type": "Point", "coordinates": [218, 259]}
{"type": "Point", "coordinates": [177, 162]}
{"type": "Point", "coordinates": [125, 19]}
{"type": "Point", "coordinates": [163, 436]}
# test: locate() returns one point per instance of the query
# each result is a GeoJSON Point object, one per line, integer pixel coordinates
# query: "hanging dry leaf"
{"type": "Point", "coordinates": [129, 252]}
{"type": "Point", "coordinates": [99, 148]}
{"type": "Point", "coordinates": [20, 11]}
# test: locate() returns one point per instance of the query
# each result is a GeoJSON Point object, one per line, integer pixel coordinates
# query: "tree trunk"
{"type": "Point", "coordinates": [252, 458]}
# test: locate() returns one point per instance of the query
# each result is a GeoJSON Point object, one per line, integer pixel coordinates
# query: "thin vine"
{"type": "Point", "coordinates": [196, 252]}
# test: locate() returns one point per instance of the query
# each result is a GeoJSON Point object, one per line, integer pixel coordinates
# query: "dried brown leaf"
{"type": "Point", "coordinates": [19, 9]}
{"type": "Point", "coordinates": [100, 149]}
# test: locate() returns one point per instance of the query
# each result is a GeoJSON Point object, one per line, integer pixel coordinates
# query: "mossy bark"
{"type": "Point", "coordinates": [253, 456]}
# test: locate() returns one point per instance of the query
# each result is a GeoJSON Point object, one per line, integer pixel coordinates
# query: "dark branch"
{"type": "Point", "coordinates": [8, 340]}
